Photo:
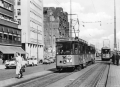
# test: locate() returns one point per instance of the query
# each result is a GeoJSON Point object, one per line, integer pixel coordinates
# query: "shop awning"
{"type": "Point", "coordinates": [11, 50]}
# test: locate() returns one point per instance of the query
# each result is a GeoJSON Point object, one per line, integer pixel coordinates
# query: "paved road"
{"type": "Point", "coordinates": [89, 75]}
{"type": "Point", "coordinates": [10, 73]}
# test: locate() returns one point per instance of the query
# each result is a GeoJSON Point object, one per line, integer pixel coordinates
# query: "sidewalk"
{"type": "Point", "coordinates": [2, 67]}
{"type": "Point", "coordinates": [12, 81]}
{"type": "Point", "coordinates": [114, 76]}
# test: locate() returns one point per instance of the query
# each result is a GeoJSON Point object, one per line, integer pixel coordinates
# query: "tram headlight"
{"type": "Point", "coordinates": [64, 61]}
{"type": "Point", "coordinates": [69, 59]}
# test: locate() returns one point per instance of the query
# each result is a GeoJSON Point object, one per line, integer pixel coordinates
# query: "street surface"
{"type": "Point", "coordinates": [10, 73]}
{"type": "Point", "coordinates": [94, 75]}
{"type": "Point", "coordinates": [100, 74]}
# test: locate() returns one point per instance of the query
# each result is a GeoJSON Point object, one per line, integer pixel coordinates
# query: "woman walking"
{"type": "Point", "coordinates": [18, 65]}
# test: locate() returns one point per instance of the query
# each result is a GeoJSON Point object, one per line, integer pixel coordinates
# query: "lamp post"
{"type": "Point", "coordinates": [25, 43]}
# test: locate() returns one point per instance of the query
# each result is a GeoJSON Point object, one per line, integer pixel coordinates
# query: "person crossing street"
{"type": "Point", "coordinates": [18, 65]}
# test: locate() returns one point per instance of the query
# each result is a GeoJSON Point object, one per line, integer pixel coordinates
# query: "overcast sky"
{"type": "Point", "coordinates": [93, 11]}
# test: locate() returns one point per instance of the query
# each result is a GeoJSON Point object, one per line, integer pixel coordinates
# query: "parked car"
{"type": "Point", "coordinates": [32, 61]}
{"type": "Point", "coordinates": [46, 61]}
{"type": "Point", "coordinates": [10, 63]}
{"type": "Point", "coordinates": [25, 62]}
{"type": "Point", "coordinates": [51, 60]}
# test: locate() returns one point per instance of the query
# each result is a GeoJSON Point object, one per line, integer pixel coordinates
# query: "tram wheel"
{"type": "Point", "coordinates": [79, 67]}
{"type": "Point", "coordinates": [82, 66]}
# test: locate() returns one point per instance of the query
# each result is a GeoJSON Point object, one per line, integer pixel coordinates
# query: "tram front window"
{"type": "Point", "coordinates": [106, 51]}
{"type": "Point", "coordinates": [64, 48]}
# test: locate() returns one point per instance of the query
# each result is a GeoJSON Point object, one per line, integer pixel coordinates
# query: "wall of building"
{"type": "Point", "coordinates": [32, 26]}
{"type": "Point", "coordinates": [7, 9]}
{"type": "Point", "coordinates": [55, 25]}
{"type": "Point", "coordinates": [10, 34]}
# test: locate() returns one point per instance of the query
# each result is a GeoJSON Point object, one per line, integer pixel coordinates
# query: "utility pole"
{"type": "Point", "coordinates": [118, 45]}
{"type": "Point", "coordinates": [70, 30]}
{"type": "Point", "coordinates": [50, 22]}
{"type": "Point", "coordinates": [37, 42]}
{"type": "Point", "coordinates": [115, 45]}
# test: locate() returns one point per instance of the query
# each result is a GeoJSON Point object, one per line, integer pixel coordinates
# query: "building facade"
{"type": "Point", "coordinates": [29, 14]}
{"type": "Point", "coordinates": [56, 25]}
{"type": "Point", "coordinates": [10, 35]}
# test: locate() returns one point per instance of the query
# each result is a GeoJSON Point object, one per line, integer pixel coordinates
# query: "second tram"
{"type": "Point", "coordinates": [73, 53]}
{"type": "Point", "coordinates": [105, 53]}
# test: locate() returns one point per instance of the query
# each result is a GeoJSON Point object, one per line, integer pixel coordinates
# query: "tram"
{"type": "Point", "coordinates": [73, 53]}
{"type": "Point", "coordinates": [105, 53]}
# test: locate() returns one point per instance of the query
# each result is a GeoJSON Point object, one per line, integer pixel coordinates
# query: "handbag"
{"type": "Point", "coordinates": [22, 69]}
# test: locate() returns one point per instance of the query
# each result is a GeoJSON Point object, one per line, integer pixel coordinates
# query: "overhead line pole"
{"type": "Point", "coordinates": [115, 45]}
{"type": "Point", "coordinates": [70, 19]}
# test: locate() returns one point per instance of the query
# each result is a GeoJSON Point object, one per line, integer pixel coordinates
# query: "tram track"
{"type": "Point", "coordinates": [47, 80]}
{"type": "Point", "coordinates": [97, 77]}
{"type": "Point", "coordinates": [90, 78]}
{"type": "Point", "coordinates": [44, 81]}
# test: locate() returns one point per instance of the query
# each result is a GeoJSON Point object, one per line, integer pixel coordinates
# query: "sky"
{"type": "Point", "coordinates": [90, 13]}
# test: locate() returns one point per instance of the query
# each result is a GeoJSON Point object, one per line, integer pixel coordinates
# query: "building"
{"type": "Point", "coordinates": [55, 25]}
{"type": "Point", "coordinates": [10, 34]}
{"type": "Point", "coordinates": [29, 14]}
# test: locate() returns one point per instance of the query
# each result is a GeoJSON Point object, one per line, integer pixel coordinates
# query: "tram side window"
{"type": "Point", "coordinates": [80, 49]}
{"type": "Point", "coordinates": [76, 48]}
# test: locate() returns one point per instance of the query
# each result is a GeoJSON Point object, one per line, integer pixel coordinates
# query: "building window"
{"type": "Point", "coordinates": [19, 11]}
{"type": "Point", "coordinates": [5, 36]}
{"type": "Point", "coordinates": [19, 21]}
{"type": "Point", "coordinates": [14, 38]}
{"type": "Point", "coordinates": [0, 35]}
{"type": "Point", "coordinates": [19, 2]}
{"type": "Point", "coordinates": [10, 37]}
{"type": "Point", "coordinates": [19, 39]}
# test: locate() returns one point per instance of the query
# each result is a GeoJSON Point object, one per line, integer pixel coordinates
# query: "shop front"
{"type": "Point", "coordinates": [8, 52]}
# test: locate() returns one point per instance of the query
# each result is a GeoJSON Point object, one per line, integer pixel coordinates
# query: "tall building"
{"type": "Point", "coordinates": [29, 14]}
{"type": "Point", "coordinates": [56, 25]}
{"type": "Point", "coordinates": [10, 34]}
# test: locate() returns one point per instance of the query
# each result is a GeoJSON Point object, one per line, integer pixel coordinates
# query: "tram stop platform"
{"type": "Point", "coordinates": [113, 76]}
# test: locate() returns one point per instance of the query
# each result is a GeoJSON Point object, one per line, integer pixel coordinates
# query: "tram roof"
{"type": "Point", "coordinates": [105, 47]}
{"type": "Point", "coordinates": [70, 39]}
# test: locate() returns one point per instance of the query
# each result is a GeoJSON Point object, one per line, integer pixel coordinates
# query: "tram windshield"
{"type": "Point", "coordinates": [64, 48]}
{"type": "Point", "coordinates": [106, 51]}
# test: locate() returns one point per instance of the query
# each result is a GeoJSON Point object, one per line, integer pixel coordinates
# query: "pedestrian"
{"type": "Point", "coordinates": [3, 58]}
{"type": "Point", "coordinates": [112, 58]}
{"type": "Point", "coordinates": [117, 59]}
{"type": "Point", "coordinates": [18, 65]}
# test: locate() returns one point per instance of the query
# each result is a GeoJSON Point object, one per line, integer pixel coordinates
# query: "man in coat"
{"type": "Point", "coordinates": [117, 59]}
